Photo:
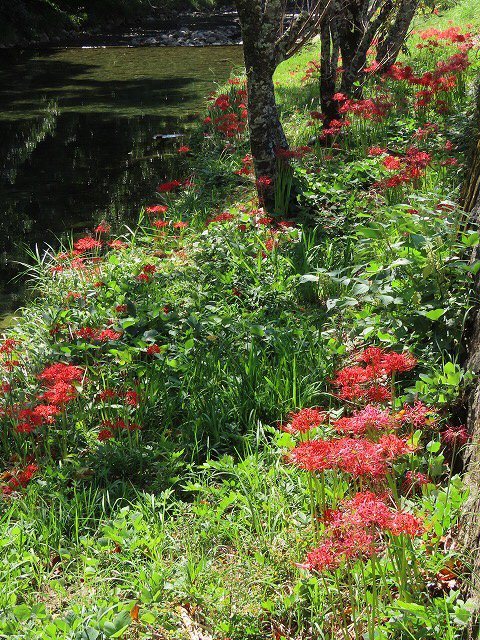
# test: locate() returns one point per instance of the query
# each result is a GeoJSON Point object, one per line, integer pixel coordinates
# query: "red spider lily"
{"type": "Point", "coordinates": [290, 154]}
{"type": "Point", "coordinates": [180, 225]}
{"type": "Point", "coordinates": [183, 150]}
{"type": "Point", "coordinates": [106, 394]}
{"type": "Point", "coordinates": [398, 363]}
{"type": "Point", "coordinates": [88, 243]}
{"type": "Point", "coordinates": [104, 434]}
{"type": "Point", "coordinates": [9, 345]}
{"type": "Point", "coordinates": [103, 227]}
{"type": "Point", "coordinates": [455, 436]}
{"type": "Point", "coordinates": [414, 481]}
{"type": "Point", "coordinates": [149, 268]}
{"type": "Point", "coordinates": [391, 163]}
{"type": "Point", "coordinates": [356, 457]}
{"type": "Point", "coordinates": [417, 415]}
{"type": "Point", "coordinates": [368, 419]}
{"type": "Point", "coordinates": [17, 479]}
{"type": "Point", "coordinates": [333, 553]}
{"type": "Point", "coordinates": [355, 529]}
{"type": "Point", "coordinates": [61, 372]}
{"type": "Point", "coordinates": [153, 349]}
{"type": "Point", "coordinates": [160, 224]}
{"type": "Point", "coordinates": [117, 244]}
{"type": "Point", "coordinates": [221, 217]}
{"type": "Point", "coordinates": [304, 420]}
{"type": "Point", "coordinates": [159, 209]}
{"type": "Point", "coordinates": [97, 335]}
{"type": "Point", "coordinates": [132, 398]}
{"type": "Point", "coordinates": [167, 187]}
{"type": "Point", "coordinates": [264, 182]}
{"type": "Point", "coordinates": [376, 151]}
{"type": "Point", "coordinates": [59, 394]}
{"type": "Point", "coordinates": [368, 109]}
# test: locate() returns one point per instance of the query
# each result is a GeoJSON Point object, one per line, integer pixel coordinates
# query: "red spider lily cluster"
{"type": "Point", "coordinates": [228, 112]}
{"type": "Point", "coordinates": [406, 168]}
{"type": "Point", "coordinates": [92, 334]}
{"type": "Point", "coordinates": [109, 428]}
{"type": "Point", "coordinates": [358, 529]}
{"type": "Point", "coordinates": [16, 479]}
{"type": "Point", "coordinates": [363, 446]}
{"type": "Point", "coordinates": [59, 386]}
{"type": "Point", "coordinates": [369, 109]}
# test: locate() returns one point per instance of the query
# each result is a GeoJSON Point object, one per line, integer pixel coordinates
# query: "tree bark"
{"type": "Point", "coordinates": [267, 41]}
{"type": "Point", "coordinates": [329, 65]}
{"type": "Point", "coordinates": [260, 29]}
{"type": "Point", "coordinates": [391, 43]}
{"type": "Point", "coordinates": [469, 532]}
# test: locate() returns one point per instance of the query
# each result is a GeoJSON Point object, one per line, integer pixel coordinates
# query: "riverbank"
{"type": "Point", "coordinates": [223, 424]}
{"type": "Point", "coordinates": [198, 29]}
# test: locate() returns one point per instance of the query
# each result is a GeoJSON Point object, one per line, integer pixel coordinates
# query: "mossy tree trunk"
{"type": "Point", "coordinates": [270, 35]}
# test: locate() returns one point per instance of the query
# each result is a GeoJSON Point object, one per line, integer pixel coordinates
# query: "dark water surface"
{"type": "Point", "coordinates": [77, 131]}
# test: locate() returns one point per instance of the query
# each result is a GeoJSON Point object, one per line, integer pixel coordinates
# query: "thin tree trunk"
{"type": "Point", "coordinates": [328, 66]}
{"type": "Point", "coordinates": [390, 44]}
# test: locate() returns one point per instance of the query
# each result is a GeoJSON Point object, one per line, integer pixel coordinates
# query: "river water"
{"type": "Point", "coordinates": [77, 137]}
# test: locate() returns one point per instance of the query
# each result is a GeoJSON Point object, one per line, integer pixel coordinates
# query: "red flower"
{"type": "Point", "coordinates": [121, 308]}
{"type": "Point", "coordinates": [153, 349]}
{"type": "Point", "coordinates": [264, 182]}
{"type": "Point", "coordinates": [417, 414]}
{"type": "Point", "coordinates": [106, 394]}
{"type": "Point", "coordinates": [60, 372]}
{"type": "Point", "coordinates": [132, 398]}
{"type": "Point", "coordinates": [167, 187]}
{"type": "Point", "coordinates": [158, 209]}
{"type": "Point", "coordinates": [221, 217]}
{"type": "Point", "coordinates": [105, 434]}
{"type": "Point", "coordinates": [8, 345]}
{"type": "Point", "coordinates": [304, 420]}
{"type": "Point", "coordinates": [103, 227]}
{"type": "Point", "coordinates": [369, 419]}
{"type": "Point", "coordinates": [149, 268]}
{"type": "Point", "coordinates": [391, 163]}
{"type": "Point", "coordinates": [414, 480]}
{"type": "Point", "coordinates": [398, 362]}
{"type": "Point", "coordinates": [160, 224]}
{"type": "Point", "coordinates": [59, 394]}
{"type": "Point", "coordinates": [87, 244]}
{"type": "Point", "coordinates": [107, 335]}
{"type": "Point", "coordinates": [117, 244]}
{"type": "Point", "coordinates": [376, 151]}
{"type": "Point", "coordinates": [455, 436]}
{"type": "Point", "coordinates": [183, 149]}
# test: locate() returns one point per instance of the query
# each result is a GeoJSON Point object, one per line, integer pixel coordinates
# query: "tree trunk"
{"type": "Point", "coordinates": [260, 32]}
{"type": "Point", "coordinates": [469, 534]}
{"type": "Point", "coordinates": [350, 35]}
{"type": "Point", "coordinates": [328, 66]}
{"type": "Point", "coordinates": [390, 44]}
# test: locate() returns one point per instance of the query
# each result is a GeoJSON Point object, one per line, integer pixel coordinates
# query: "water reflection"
{"type": "Point", "coordinates": [77, 131]}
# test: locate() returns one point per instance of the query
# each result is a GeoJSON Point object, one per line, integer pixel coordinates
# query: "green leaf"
{"type": "Point", "coordinates": [308, 277]}
{"type": "Point", "coordinates": [435, 314]}
{"type": "Point", "coordinates": [22, 612]}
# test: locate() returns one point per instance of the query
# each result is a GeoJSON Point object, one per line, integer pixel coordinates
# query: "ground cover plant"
{"type": "Point", "coordinates": [224, 424]}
